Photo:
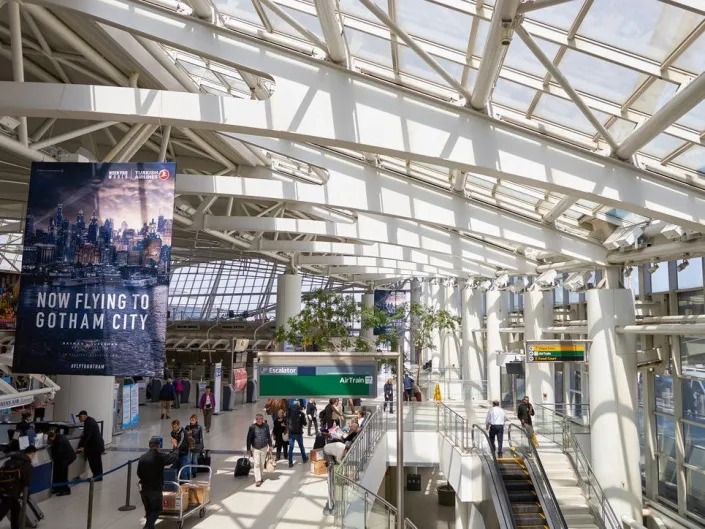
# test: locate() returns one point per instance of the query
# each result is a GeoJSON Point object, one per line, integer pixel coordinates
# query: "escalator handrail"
{"type": "Point", "coordinates": [495, 475]}
{"type": "Point", "coordinates": [542, 472]}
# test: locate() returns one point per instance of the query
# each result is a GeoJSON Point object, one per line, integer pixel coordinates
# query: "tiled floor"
{"type": "Point", "coordinates": [289, 499]}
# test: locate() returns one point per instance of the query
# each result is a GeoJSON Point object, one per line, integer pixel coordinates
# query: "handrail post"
{"type": "Point", "coordinates": [89, 515]}
{"type": "Point", "coordinates": [127, 506]}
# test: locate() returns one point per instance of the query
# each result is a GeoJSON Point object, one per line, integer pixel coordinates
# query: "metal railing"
{"type": "Point", "coordinates": [553, 419]}
{"type": "Point", "coordinates": [355, 461]}
{"type": "Point", "coordinates": [483, 447]}
{"type": "Point", "coordinates": [595, 496]}
{"type": "Point", "coordinates": [363, 509]}
{"type": "Point", "coordinates": [522, 443]}
{"type": "Point", "coordinates": [455, 389]}
{"type": "Point", "coordinates": [454, 426]}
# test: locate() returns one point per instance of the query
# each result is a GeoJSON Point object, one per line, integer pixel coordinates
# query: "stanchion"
{"type": "Point", "coordinates": [89, 516]}
{"type": "Point", "coordinates": [23, 512]}
{"type": "Point", "coordinates": [329, 509]}
{"type": "Point", "coordinates": [127, 506]}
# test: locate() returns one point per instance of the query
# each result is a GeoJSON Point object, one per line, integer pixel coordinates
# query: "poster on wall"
{"type": "Point", "coordinates": [126, 406]}
{"type": "Point", "coordinates": [95, 269]}
{"type": "Point", "coordinates": [9, 292]}
{"type": "Point", "coordinates": [134, 405]}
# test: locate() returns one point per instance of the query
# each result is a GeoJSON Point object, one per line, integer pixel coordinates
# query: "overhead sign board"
{"type": "Point", "coordinates": [318, 380]}
{"type": "Point", "coordinates": [556, 351]}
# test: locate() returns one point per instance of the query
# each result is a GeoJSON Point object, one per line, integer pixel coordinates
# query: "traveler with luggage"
{"type": "Point", "coordinates": [62, 455]}
{"type": "Point", "coordinates": [259, 445]}
{"type": "Point", "coordinates": [91, 444]}
{"type": "Point", "coordinates": [15, 475]}
{"type": "Point", "coordinates": [196, 432]}
{"type": "Point", "coordinates": [389, 395]}
{"type": "Point", "coordinates": [207, 405]}
{"type": "Point", "coordinates": [167, 396]}
{"type": "Point", "coordinates": [295, 426]}
{"type": "Point", "coordinates": [281, 434]}
{"type": "Point", "coordinates": [179, 442]}
{"type": "Point", "coordinates": [312, 416]}
{"type": "Point", "coordinates": [150, 471]}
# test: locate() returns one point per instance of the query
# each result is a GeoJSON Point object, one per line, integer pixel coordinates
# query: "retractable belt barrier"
{"type": "Point", "coordinates": [91, 486]}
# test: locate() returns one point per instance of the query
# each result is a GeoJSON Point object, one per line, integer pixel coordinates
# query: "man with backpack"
{"type": "Point", "coordinates": [295, 424]}
{"type": "Point", "coordinates": [311, 415]}
{"type": "Point", "coordinates": [15, 475]}
{"type": "Point", "coordinates": [178, 390]}
{"type": "Point", "coordinates": [62, 455]}
{"type": "Point", "coordinates": [167, 396]}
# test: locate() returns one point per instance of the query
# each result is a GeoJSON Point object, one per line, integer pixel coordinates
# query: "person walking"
{"type": "Point", "coordinates": [150, 471]}
{"type": "Point", "coordinates": [62, 455]}
{"type": "Point", "coordinates": [408, 386]}
{"type": "Point", "coordinates": [196, 432]}
{"type": "Point", "coordinates": [207, 405]}
{"type": "Point", "coordinates": [389, 395]}
{"type": "Point", "coordinates": [178, 390]}
{"type": "Point", "coordinates": [281, 434]}
{"type": "Point", "coordinates": [312, 416]}
{"type": "Point", "coordinates": [179, 442]}
{"type": "Point", "coordinates": [525, 412]}
{"type": "Point", "coordinates": [259, 444]}
{"type": "Point", "coordinates": [295, 425]}
{"type": "Point", "coordinates": [16, 474]}
{"type": "Point", "coordinates": [91, 444]}
{"type": "Point", "coordinates": [167, 395]}
{"type": "Point", "coordinates": [495, 424]}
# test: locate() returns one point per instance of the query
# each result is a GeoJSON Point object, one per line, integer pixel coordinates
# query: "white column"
{"type": "Point", "coordinates": [91, 393]}
{"type": "Point", "coordinates": [496, 314]}
{"type": "Point", "coordinates": [613, 399]}
{"type": "Point", "coordinates": [435, 297]}
{"type": "Point", "coordinates": [368, 301]}
{"type": "Point", "coordinates": [450, 339]}
{"type": "Point", "coordinates": [288, 298]}
{"type": "Point", "coordinates": [538, 314]}
{"type": "Point", "coordinates": [474, 353]}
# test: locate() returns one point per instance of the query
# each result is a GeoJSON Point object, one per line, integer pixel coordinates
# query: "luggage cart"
{"type": "Point", "coordinates": [175, 486]}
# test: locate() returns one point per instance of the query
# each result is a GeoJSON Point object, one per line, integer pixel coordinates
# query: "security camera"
{"type": "Point", "coordinates": [506, 33]}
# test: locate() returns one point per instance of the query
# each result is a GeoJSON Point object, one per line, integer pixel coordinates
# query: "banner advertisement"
{"type": "Point", "coordinates": [218, 387]}
{"type": "Point", "coordinates": [134, 405]}
{"type": "Point", "coordinates": [388, 301]}
{"type": "Point", "coordinates": [239, 378]}
{"type": "Point", "coordinates": [95, 269]}
{"type": "Point", "coordinates": [126, 405]}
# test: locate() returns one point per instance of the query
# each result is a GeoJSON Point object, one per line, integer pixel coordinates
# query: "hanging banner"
{"type": "Point", "coordinates": [218, 387]}
{"type": "Point", "coordinates": [239, 378]}
{"type": "Point", "coordinates": [389, 301]}
{"type": "Point", "coordinates": [9, 291]}
{"type": "Point", "coordinates": [126, 405]}
{"type": "Point", "coordinates": [95, 269]}
{"type": "Point", "coordinates": [134, 405]}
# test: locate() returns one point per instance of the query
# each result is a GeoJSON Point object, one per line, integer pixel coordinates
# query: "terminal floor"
{"type": "Point", "coordinates": [292, 498]}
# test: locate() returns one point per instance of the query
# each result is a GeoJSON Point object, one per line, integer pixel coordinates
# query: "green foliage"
{"type": "Point", "coordinates": [425, 321]}
{"type": "Point", "coordinates": [374, 317]}
{"type": "Point", "coordinates": [326, 315]}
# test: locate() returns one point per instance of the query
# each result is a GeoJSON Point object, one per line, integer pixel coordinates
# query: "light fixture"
{"type": "Point", "coordinates": [577, 281]}
{"type": "Point", "coordinates": [545, 280]}
{"type": "Point", "coordinates": [672, 232]}
{"type": "Point", "coordinates": [485, 285]}
{"type": "Point", "coordinates": [501, 282]}
{"type": "Point", "coordinates": [624, 237]}
{"type": "Point", "coordinates": [683, 264]}
{"type": "Point", "coordinates": [628, 269]}
{"type": "Point", "coordinates": [519, 285]}
{"type": "Point", "coordinates": [654, 266]}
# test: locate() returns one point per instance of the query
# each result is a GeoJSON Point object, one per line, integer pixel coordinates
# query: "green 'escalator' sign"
{"type": "Point", "coordinates": [318, 381]}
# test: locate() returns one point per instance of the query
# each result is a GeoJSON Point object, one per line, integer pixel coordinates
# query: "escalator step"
{"type": "Point", "coordinates": [521, 496]}
{"type": "Point", "coordinates": [519, 508]}
{"type": "Point", "coordinates": [529, 519]}
{"type": "Point", "coordinates": [514, 476]}
{"type": "Point", "coordinates": [533, 526]}
{"type": "Point", "coordinates": [524, 485]}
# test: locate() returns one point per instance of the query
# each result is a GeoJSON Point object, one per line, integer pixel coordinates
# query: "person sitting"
{"type": "Point", "coordinates": [361, 416]}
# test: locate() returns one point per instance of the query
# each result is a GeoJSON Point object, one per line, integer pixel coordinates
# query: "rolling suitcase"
{"type": "Point", "coordinates": [34, 513]}
{"type": "Point", "coordinates": [204, 458]}
{"type": "Point", "coordinates": [242, 467]}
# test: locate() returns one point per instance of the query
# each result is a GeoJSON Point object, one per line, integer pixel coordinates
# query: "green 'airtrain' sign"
{"type": "Point", "coordinates": [318, 381]}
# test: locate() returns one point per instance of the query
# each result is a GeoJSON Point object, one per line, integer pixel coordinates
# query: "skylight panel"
{"type": "Point", "coordinates": [519, 57]}
{"type": "Point", "coordinates": [411, 63]}
{"type": "Point", "coordinates": [693, 59]}
{"type": "Point", "coordinates": [693, 158]}
{"type": "Point", "coordinates": [649, 29]}
{"type": "Point", "coordinates": [242, 9]}
{"type": "Point", "coordinates": [657, 95]}
{"type": "Point", "coordinates": [513, 95]}
{"type": "Point", "coordinates": [695, 119]}
{"type": "Point", "coordinates": [566, 113]}
{"type": "Point", "coordinates": [561, 16]}
{"type": "Point", "coordinates": [369, 48]}
{"type": "Point", "coordinates": [355, 8]}
{"type": "Point", "coordinates": [662, 145]}
{"type": "Point", "coordinates": [435, 23]}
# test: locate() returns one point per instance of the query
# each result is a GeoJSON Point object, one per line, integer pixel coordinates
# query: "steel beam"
{"type": "Point", "coordinates": [395, 197]}
{"type": "Point", "coordinates": [300, 28]}
{"type": "Point", "coordinates": [203, 9]}
{"type": "Point", "coordinates": [55, 140]}
{"type": "Point", "coordinates": [16, 148]}
{"type": "Point", "coordinates": [498, 39]}
{"type": "Point", "coordinates": [685, 99]}
{"type": "Point", "coordinates": [332, 30]}
{"type": "Point", "coordinates": [17, 60]}
{"type": "Point", "coordinates": [558, 209]}
{"type": "Point", "coordinates": [533, 5]}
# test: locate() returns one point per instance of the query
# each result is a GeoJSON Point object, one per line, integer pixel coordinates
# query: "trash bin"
{"type": "Point", "coordinates": [446, 495]}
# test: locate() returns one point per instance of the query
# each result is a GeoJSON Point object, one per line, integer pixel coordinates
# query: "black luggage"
{"type": "Point", "coordinates": [319, 442]}
{"type": "Point", "coordinates": [204, 458]}
{"type": "Point", "coordinates": [242, 467]}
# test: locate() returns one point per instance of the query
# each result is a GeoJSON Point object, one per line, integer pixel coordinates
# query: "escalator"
{"type": "Point", "coordinates": [526, 507]}
{"type": "Point", "coordinates": [521, 493]}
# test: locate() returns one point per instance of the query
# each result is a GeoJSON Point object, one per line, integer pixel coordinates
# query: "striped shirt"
{"type": "Point", "coordinates": [495, 417]}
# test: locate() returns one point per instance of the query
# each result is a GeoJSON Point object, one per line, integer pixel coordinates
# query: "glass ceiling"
{"type": "Point", "coordinates": [626, 59]}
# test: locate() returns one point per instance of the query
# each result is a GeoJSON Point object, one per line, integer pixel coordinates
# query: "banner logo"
{"type": "Point", "coordinates": [164, 174]}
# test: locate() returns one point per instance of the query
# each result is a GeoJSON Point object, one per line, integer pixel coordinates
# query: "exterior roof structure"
{"type": "Point", "coordinates": [373, 140]}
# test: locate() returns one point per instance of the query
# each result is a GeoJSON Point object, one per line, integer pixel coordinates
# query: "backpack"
{"type": "Point", "coordinates": [179, 386]}
{"type": "Point", "coordinates": [10, 477]}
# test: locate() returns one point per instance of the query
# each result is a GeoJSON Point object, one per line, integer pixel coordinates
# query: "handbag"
{"type": "Point", "coordinates": [285, 437]}
{"type": "Point", "coordinates": [270, 465]}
